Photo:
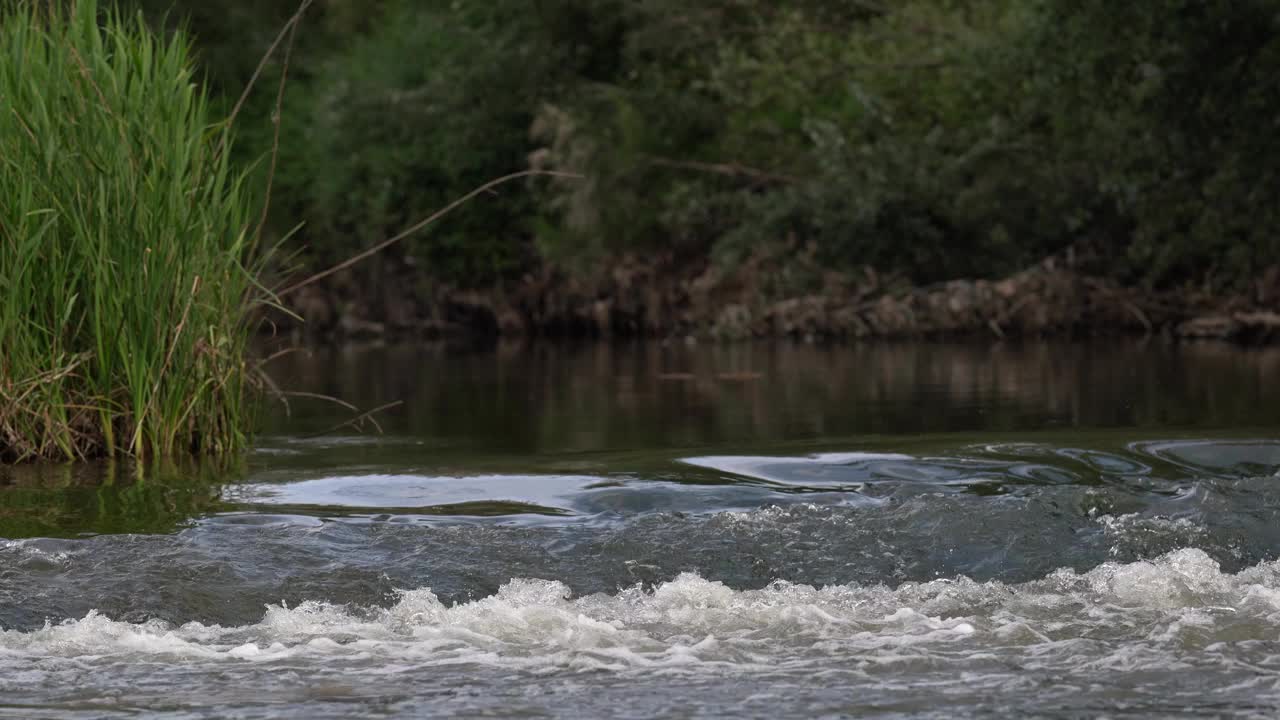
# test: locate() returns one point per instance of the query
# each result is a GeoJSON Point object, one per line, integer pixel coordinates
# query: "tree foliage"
{"type": "Point", "coordinates": [933, 138]}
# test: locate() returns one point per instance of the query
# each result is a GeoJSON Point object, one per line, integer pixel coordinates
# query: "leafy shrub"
{"type": "Point", "coordinates": [429, 104]}
{"type": "Point", "coordinates": [1167, 113]}
{"type": "Point", "coordinates": [934, 138]}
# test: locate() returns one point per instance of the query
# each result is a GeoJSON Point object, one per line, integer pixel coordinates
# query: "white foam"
{"type": "Point", "coordinates": [1132, 529]}
{"type": "Point", "coordinates": [30, 549]}
{"type": "Point", "coordinates": [690, 624]}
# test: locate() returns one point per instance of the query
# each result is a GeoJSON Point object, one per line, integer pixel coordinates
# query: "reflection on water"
{"type": "Point", "coordinates": [59, 500]}
{"type": "Point", "coordinates": [552, 398]}
{"type": "Point", "coordinates": [561, 431]}
{"type": "Point", "coordinates": [484, 495]}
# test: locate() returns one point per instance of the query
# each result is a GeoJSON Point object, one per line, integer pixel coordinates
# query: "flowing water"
{"type": "Point", "coordinates": [673, 531]}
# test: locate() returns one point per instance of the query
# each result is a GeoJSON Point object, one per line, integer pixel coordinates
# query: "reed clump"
{"type": "Point", "coordinates": [127, 244]}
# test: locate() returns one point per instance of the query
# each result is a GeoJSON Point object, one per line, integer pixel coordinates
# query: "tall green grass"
{"type": "Point", "coordinates": [126, 241]}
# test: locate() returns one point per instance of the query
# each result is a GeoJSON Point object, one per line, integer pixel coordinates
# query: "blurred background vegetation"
{"type": "Point", "coordinates": [930, 139]}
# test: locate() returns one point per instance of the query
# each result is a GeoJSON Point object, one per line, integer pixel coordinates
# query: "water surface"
{"type": "Point", "coordinates": [637, 531]}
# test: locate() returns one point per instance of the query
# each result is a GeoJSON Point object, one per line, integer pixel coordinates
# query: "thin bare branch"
{"type": "Point", "coordinates": [276, 119]}
{"type": "Point", "coordinates": [285, 31]}
{"type": "Point", "coordinates": [421, 224]}
{"type": "Point", "coordinates": [358, 419]}
{"type": "Point", "coordinates": [729, 169]}
{"type": "Point", "coordinates": [318, 396]}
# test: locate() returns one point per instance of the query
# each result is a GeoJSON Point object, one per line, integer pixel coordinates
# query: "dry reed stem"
{"type": "Point", "coordinates": [262, 64]}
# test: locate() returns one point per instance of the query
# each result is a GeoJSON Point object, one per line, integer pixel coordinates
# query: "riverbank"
{"type": "Point", "coordinates": [665, 299]}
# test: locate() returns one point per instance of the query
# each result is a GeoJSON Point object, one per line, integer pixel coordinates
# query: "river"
{"type": "Point", "coordinates": [783, 530]}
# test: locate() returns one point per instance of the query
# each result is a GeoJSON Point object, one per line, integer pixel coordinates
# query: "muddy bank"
{"type": "Point", "coordinates": [662, 298]}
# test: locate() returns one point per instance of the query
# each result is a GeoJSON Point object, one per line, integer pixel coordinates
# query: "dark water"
{"type": "Point", "coordinates": [639, 531]}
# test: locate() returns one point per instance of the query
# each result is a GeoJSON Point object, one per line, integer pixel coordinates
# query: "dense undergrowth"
{"type": "Point", "coordinates": [124, 238]}
{"type": "Point", "coordinates": [932, 139]}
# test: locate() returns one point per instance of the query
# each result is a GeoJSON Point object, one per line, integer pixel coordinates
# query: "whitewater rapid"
{"type": "Point", "coordinates": [1171, 613]}
{"type": "Point", "coordinates": [1011, 580]}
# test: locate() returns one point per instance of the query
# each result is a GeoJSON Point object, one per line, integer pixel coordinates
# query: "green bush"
{"type": "Point", "coordinates": [856, 130]}
{"type": "Point", "coordinates": [930, 138]}
{"type": "Point", "coordinates": [433, 101]}
{"type": "Point", "coordinates": [1164, 116]}
{"type": "Point", "coordinates": [936, 138]}
{"type": "Point", "coordinates": [124, 237]}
